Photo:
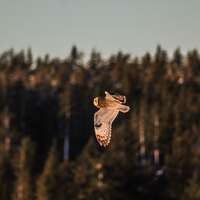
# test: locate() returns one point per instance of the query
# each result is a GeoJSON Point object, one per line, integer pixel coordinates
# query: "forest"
{"type": "Point", "coordinates": [48, 149]}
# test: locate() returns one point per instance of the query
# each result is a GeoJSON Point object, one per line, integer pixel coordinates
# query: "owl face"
{"type": "Point", "coordinates": [96, 102]}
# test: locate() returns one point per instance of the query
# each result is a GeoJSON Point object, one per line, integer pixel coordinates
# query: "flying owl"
{"type": "Point", "coordinates": [109, 107]}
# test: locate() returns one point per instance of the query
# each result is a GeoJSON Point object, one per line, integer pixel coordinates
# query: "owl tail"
{"type": "Point", "coordinates": [123, 108]}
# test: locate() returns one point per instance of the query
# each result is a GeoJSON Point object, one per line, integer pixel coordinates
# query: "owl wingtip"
{"type": "Point", "coordinates": [106, 92]}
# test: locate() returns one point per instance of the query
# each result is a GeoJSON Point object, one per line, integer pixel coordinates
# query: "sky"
{"type": "Point", "coordinates": [132, 26]}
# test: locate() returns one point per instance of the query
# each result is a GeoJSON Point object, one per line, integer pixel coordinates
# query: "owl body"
{"type": "Point", "coordinates": [109, 107]}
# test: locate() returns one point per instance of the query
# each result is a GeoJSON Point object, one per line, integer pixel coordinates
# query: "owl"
{"type": "Point", "coordinates": [109, 107]}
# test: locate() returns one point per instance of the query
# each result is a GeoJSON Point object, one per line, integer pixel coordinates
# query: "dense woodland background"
{"type": "Point", "coordinates": [48, 149]}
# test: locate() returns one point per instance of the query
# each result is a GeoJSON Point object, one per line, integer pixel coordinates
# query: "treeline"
{"type": "Point", "coordinates": [48, 149]}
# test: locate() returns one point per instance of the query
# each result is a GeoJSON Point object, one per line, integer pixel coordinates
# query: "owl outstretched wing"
{"type": "Point", "coordinates": [103, 124]}
{"type": "Point", "coordinates": [117, 98]}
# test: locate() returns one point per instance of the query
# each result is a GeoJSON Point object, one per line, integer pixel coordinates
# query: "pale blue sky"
{"type": "Point", "coordinates": [133, 26]}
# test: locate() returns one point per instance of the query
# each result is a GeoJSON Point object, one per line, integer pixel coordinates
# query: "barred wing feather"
{"type": "Point", "coordinates": [116, 98]}
{"type": "Point", "coordinates": [103, 124]}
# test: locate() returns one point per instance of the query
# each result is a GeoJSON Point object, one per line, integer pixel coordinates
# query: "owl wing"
{"type": "Point", "coordinates": [117, 98]}
{"type": "Point", "coordinates": [120, 98]}
{"type": "Point", "coordinates": [103, 124]}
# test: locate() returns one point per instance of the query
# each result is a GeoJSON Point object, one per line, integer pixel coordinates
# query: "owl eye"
{"type": "Point", "coordinates": [97, 125]}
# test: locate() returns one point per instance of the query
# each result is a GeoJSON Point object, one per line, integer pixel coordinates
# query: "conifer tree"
{"type": "Point", "coordinates": [192, 190]}
{"type": "Point", "coordinates": [47, 187]}
{"type": "Point", "coordinates": [6, 175]}
{"type": "Point", "coordinates": [178, 57]}
{"type": "Point", "coordinates": [74, 53]}
{"type": "Point", "coordinates": [29, 56]}
{"type": "Point", "coordinates": [23, 186]}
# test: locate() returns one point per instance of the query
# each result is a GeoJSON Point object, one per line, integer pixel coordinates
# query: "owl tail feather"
{"type": "Point", "coordinates": [123, 108]}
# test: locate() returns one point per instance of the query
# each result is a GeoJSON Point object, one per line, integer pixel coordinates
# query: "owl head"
{"type": "Point", "coordinates": [96, 102]}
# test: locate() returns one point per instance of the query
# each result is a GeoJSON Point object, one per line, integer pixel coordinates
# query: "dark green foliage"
{"type": "Point", "coordinates": [155, 148]}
